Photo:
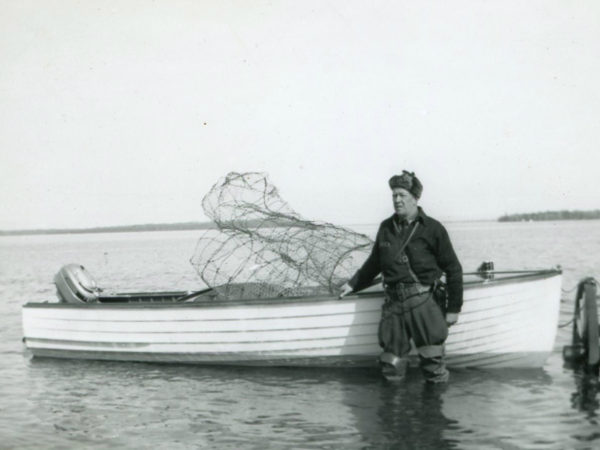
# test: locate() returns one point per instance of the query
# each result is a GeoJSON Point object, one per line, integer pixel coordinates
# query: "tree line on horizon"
{"type": "Point", "coordinates": [182, 226]}
{"type": "Point", "coordinates": [537, 216]}
{"type": "Point", "coordinates": [114, 229]}
{"type": "Point", "coordinates": [551, 215]}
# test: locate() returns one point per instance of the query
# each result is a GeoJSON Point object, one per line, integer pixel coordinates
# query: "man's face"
{"type": "Point", "coordinates": [405, 204]}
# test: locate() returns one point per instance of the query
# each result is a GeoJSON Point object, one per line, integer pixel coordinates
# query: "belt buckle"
{"type": "Point", "coordinates": [404, 291]}
{"type": "Point", "coordinates": [393, 292]}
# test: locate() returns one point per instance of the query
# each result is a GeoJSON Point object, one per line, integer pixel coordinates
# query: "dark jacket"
{"type": "Point", "coordinates": [429, 252]}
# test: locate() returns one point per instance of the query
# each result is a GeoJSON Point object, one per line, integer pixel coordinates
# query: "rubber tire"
{"type": "Point", "coordinates": [590, 331]}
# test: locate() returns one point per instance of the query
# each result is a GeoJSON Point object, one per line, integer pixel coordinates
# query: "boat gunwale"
{"type": "Point", "coordinates": [514, 277]}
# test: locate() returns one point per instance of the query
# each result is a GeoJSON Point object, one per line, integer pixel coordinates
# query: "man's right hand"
{"type": "Point", "coordinates": [451, 318]}
{"type": "Point", "coordinates": [345, 290]}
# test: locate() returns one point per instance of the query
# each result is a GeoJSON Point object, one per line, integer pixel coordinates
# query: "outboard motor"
{"type": "Point", "coordinates": [74, 284]}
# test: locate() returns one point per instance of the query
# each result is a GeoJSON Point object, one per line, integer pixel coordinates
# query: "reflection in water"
{"type": "Point", "coordinates": [411, 415]}
{"type": "Point", "coordinates": [585, 396]}
{"type": "Point", "coordinates": [110, 405]}
{"type": "Point", "coordinates": [502, 409]}
{"type": "Point", "coordinates": [585, 399]}
{"type": "Point", "coordinates": [101, 405]}
{"type": "Point", "coordinates": [104, 405]}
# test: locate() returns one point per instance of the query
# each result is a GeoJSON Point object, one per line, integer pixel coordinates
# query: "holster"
{"type": "Point", "coordinates": [440, 294]}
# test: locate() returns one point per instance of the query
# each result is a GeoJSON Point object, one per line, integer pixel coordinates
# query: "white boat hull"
{"type": "Point", "coordinates": [502, 324]}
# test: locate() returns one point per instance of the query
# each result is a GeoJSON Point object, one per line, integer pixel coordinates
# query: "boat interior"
{"type": "Point", "coordinates": [75, 285]}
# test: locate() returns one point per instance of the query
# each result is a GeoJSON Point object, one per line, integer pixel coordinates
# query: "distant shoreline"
{"type": "Point", "coordinates": [115, 229]}
{"type": "Point", "coordinates": [551, 215]}
{"type": "Point", "coordinates": [181, 226]}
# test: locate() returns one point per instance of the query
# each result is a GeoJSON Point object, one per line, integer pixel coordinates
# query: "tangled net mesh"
{"type": "Point", "coordinates": [261, 248]}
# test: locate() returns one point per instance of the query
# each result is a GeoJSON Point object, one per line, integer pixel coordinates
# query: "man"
{"type": "Point", "coordinates": [412, 251]}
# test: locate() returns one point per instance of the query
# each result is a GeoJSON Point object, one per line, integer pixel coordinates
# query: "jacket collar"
{"type": "Point", "coordinates": [421, 217]}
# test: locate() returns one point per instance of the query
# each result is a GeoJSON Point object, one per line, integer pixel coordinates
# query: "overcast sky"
{"type": "Point", "coordinates": [125, 112]}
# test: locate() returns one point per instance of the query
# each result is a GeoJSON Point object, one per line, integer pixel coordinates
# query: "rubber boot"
{"type": "Point", "coordinates": [393, 367]}
{"type": "Point", "coordinates": [432, 364]}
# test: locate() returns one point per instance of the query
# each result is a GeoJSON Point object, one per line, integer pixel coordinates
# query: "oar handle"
{"type": "Point", "coordinates": [193, 294]}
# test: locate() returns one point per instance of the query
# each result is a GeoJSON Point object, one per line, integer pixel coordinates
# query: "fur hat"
{"type": "Point", "coordinates": [407, 181]}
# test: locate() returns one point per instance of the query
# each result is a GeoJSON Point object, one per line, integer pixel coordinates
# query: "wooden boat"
{"type": "Point", "coordinates": [509, 319]}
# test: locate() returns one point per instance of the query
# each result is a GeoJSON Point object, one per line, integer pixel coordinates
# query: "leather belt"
{"type": "Point", "coordinates": [405, 290]}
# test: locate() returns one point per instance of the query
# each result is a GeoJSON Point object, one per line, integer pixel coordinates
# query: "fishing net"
{"type": "Point", "coordinates": [261, 248]}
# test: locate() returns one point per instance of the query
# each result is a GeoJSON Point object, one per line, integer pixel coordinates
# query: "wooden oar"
{"type": "Point", "coordinates": [193, 294]}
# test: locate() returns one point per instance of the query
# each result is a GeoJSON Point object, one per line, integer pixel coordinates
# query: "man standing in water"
{"type": "Point", "coordinates": [412, 251]}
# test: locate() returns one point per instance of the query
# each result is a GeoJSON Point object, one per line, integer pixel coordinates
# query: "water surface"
{"type": "Point", "coordinates": [57, 404]}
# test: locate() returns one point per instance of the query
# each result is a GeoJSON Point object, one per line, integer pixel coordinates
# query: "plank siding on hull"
{"type": "Point", "coordinates": [213, 311]}
{"type": "Point", "coordinates": [238, 336]}
{"type": "Point", "coordinates": [365, 359]}
{"type": "Point", "coordinates": [203, 326]}
{"type": "Point", "coordinates": [498, 360]}
{"type": "Point", "coordinates": [329, 346]}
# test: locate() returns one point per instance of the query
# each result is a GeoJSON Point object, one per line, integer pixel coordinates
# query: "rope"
{"type": "Point", "coordinates": [566, 324]}
{"type": "Point", "coordinates": [571, 290]}
{"type": "Point", "coordinates": [568, 291]}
